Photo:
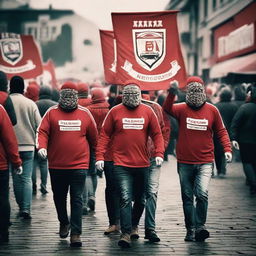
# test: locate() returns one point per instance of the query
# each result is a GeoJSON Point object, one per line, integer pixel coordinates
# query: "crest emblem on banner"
{"type": "Point", "coordinates": [149, 47]}
{"type": "Point", "coordinates": [11, 49]}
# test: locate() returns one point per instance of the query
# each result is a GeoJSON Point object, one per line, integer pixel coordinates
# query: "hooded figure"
{"type": "Point", "coordinates": [131, 95]}
{"type": "Point", "coordinates": [195, 96]}
{"type": "Point", "coordinates": [68, 97]}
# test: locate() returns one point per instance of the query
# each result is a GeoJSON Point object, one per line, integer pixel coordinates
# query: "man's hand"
{"type": "Point", "coordinates": [42, 152]}
{"type": "Point", "coordinates": [174, 87]}
{"type": "Point", "coordinates": [159, 161]}
{"type": "Point", "coordinates": [99, 165]}
{"type": "Point", "coordinates": [228, 157]}
{"type": "Point", "coordinates": [235, 144]}
{"type": "Point", "coordinates": [18, 170]}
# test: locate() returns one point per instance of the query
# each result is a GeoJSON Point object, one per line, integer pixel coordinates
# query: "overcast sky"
{"type": "Point", "coordinates": [98, 11]}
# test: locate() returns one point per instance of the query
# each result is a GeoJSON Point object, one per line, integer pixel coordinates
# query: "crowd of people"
{"type": "Point", "coordinates": [78, 133]}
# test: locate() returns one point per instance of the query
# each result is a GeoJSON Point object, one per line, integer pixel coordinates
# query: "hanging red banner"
{"type": "Point", "coordinates": [148, 49]}
{"type": "Point", "coordinates": [108, 47]}
{"type": "Point", "coordinates": [19, 55]}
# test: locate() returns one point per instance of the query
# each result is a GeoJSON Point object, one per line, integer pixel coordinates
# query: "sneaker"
{"type": "Point", "coordinates": [75, 241]}
{"type": "Point", "coordinates": [125, 241]}
{"type": "Point", "coordinates": [201, 234]}
{"type": "Point", "coordinates": [91, 204]}
{"type": "Point", "coordinates": [111, 229]}
{"type": "Point", "coordinates": [64, 230]}
{"type": "Point", "coordinates": [135, 233]}
{"type": "Point", "coordinates": [25, 215]}
{"type": "Point", "coordinates": [190, 236]}
{"type": "Point", "coordinates": [43, 190]}
{"type": "Point", "coordinates": [151, 235]}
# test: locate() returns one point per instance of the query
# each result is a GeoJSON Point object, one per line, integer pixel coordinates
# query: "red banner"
{"type": "Point", "coordinates": [108, 46]}
{"type": "Point", "coordinates": [148, 49]}
{"type": "Point", "coordinates": [19, 55]}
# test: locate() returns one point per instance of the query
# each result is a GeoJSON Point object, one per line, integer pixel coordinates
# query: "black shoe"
{"type": "Point", "coordinates": [151, 236]}
{"type": "Point", "coordinates": [91, 204]}
{"type": "Point", "coordinates": [201, 235]}
{"type": "Point", "coordinates": [43, 190]}
{"type": "Point", "coordinates": [64, 230]}
{"type": "Point", "coordinates": [25, 215]}
{"type": "Point", "coordinates": [190, 236]}
{"type": "Point", "coordinates": [125, 241]}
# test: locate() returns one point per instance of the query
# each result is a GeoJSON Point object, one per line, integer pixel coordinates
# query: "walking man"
{"type": "Point", "coordinates": [66, 135]}
{"type": "Point", "coordinates": [198, 121]}
{"type": "Point", "coordinates": [129, 125]}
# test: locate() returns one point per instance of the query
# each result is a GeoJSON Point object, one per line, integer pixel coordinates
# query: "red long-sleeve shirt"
{"type": "Point", "coordinates": [67, 137]}
{"type": "Point", "coordinates": [130, 129]}
{"type": "Point", "coordinates": [196, 129]}
{"type": "Point", "coordinates": [8, 142]}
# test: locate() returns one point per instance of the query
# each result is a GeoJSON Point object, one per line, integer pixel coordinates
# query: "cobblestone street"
{"type": "Point", "coordinates": [231, 222]}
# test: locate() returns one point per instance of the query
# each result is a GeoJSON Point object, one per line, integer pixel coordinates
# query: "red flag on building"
{"type": "Point", "coordinates": [148, 49]}
{"type": "Point", "coordinates": [19, 55]}
{"type": "Point", "coordinates": [108, 47]}
{"type": "Point", "coordinates": [49, 67]}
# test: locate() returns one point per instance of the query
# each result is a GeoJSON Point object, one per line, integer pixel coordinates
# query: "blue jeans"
{"type": "Point", "coordinates": [131, 184]}
{"type": "Point", "coordinates": [43, 167]}
{"type": "Point", "coordinates": [151, 195]}
{"type": "Point", "coordinates": [194, 181]}
{"type": "Point", "coordinates": [111, 194]}
{"type": "Point", "coordinates": [5, 208]}
{"type": "Point", "coordinates": [61, 181]}
{"type": "Point", "coordinates": [22, 184]}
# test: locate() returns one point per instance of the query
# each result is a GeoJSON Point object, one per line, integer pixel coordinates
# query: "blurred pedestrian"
{"type": "Point", "coordinates": [129, 124]}
{"type": "Point", "coordinates": [227, 111]}
{"type": "Point", "coordinates": [99, 109]}
{"type": "Point", "coordinates": [65, 136]}
{"type": "Point", "coordinates": [28, 119]}
{"type": "Point", "coordinates": [32, 91]}
{"type": "Point", "coordinates": [243, 137]}
{"type": "Point", "coordinates": [8, 154]}
{"type": "Point", "coordinates": [5, 99]}
{"type": "Point", "coordinates": [43, 103]}
{"type": "Point", "coordinates": [83, 94]}
{"type": "Point", "coordinates": [198, 121]}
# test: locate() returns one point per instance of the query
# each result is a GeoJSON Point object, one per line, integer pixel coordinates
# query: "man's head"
{"type": "Point", "coordinates": [68, 96]}
{"type": "Point", "coordinates": [195, 95]}
{"type": "Point", "coordinates": [131, 95]}
{"type": "Point", "coordinates": [17, 85]}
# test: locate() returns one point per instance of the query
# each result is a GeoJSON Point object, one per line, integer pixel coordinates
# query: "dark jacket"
{"type": "Point", "coordinates": [6, 101]}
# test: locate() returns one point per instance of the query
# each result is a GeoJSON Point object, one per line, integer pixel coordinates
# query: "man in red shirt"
{"type": "Point", "coordinates": [8, 154]}
{"type": "Point", "coordinates": [66, 135]}
{"type": "Point", "coordinates": [129, 125]}
{"type": "Point", "coordinates": [198, 121]}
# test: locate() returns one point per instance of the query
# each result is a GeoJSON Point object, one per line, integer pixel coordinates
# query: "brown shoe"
{"type": "Point", "coordinates": [111, 229]}
{"type": "Point", "coordinates": [75, 241]}
{"type": "Point", "coordinates": [135, 233]}
{"type": "Point", "coordinates": [125, 240]}
{"type": "Point", "coordinates": [64, 230]}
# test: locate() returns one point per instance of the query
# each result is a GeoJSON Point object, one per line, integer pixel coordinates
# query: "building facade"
{"type": "Point", "coordinates": [218, 38]}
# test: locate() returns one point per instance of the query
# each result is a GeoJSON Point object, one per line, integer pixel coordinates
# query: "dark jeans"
{"type": "Point", "coordinates": [111, 194]}
{"type": "Point", "coordinates": [194, 181]}
{"type": "Point", "coordinates": [62, 181]}
{"type": "Point", "coordinates": [4, 201]}
{"type": "Point", "coordinates": [131, 184]}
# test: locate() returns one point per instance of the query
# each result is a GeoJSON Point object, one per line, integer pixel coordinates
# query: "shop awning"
{"type": "Point", "coordinates": [242, 65]}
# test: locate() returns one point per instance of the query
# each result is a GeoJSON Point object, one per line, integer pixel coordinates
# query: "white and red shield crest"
{"type": "Point", "coordinates": [12, 51]}
{"type": "Point", "coordinates": [149, 47]}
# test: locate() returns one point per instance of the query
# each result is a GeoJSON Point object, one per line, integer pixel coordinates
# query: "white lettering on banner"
{"type": "Point", "coordinates": [70, 128]}
{"type": "Point", "coordinates": [133, 120]}
{"type": "Point", "coordinates": [113, 65]}
{"type": "Point", "coordinates": [196, 127]}
{"type": "Point", "coordinates": [70, 122]}
{"type": "Point", "coordinates": [152, 78]}
{"type": "Point", "coordinates": [239, 39]}
{"type": "Point", "coordinates": [197, 121]}
{"type": "Point", "coordinates": [132, 127]}
{"type": "Point", "coordinates": [12, 70]}
{"type": "Point", "coordinates": [147, 23]}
